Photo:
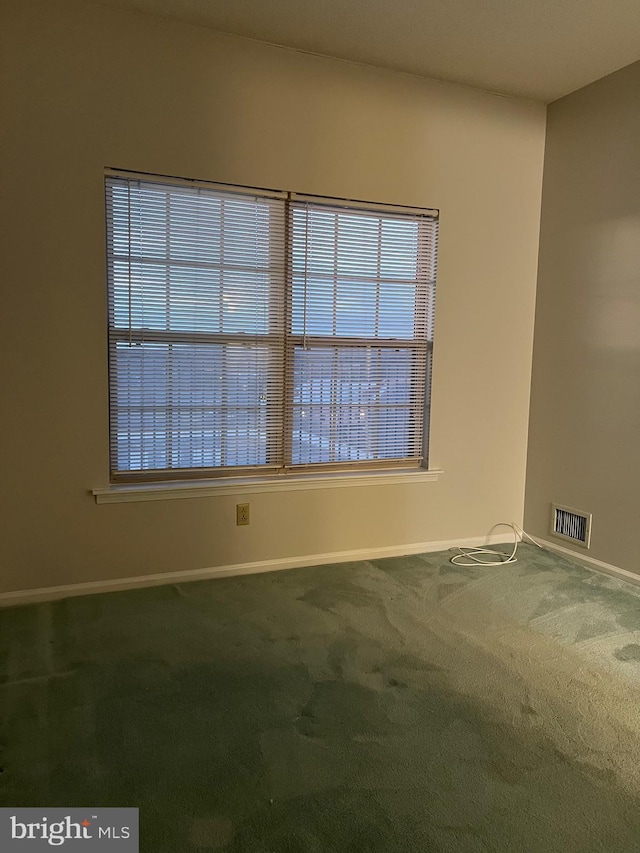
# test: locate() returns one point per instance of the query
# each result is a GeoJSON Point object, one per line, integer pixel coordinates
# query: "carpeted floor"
{"type": "Point", "coordinates": [395, 705]}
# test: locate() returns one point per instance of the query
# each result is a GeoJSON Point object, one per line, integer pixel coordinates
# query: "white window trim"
{"type": "Point", "coordinates": [164, 491]}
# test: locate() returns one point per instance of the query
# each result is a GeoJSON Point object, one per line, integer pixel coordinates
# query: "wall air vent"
{"type": "Point", "coordinates": [571, 524]}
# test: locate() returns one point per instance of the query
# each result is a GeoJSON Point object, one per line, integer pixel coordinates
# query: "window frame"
{"type": "Point", "coordinates": [284, 467]}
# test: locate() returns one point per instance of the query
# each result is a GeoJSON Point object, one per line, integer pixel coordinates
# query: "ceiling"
{"type": "Point", "coordinates": [539, 49]}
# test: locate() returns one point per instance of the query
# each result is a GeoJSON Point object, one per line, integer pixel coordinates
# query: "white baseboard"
{"type": "Point", "coordinates": [50, 593]}
{"type": "Point", "coordinates": [590, 562]}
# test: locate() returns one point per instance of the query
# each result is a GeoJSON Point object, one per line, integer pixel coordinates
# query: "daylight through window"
{"type": "Point", "coordinates": [261, 332]}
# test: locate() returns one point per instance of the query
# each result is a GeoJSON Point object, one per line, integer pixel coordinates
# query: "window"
{"type": "Point", "coordinates": [259, 332]}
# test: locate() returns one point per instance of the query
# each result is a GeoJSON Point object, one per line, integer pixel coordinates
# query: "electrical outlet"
{"type": "Point", "coordinates": [242, 514]}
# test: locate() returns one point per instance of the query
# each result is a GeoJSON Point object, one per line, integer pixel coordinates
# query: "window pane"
{"type": "Point", "coordinates": [358, 243]}
{"type": "Point", "coordinates": [397, 307]}
{"type": "Point", "coordinates": [356, 308]}
{"type": "Point", "coordinates": [399, 249]}
{"type": "Point", "coordinates": [184, 260]}
{"type": "Point", "coordinates": [194, 231]}
{"type": "Point", "coordinates": [192, 406]}
{"type": "Point", "coordinates": [141, 437]}
{"type": "Point", "coordinates": [312, 306]}
{"type": "Point", "coordinates": [355, 275]}
{"type": "Point", "coordinates": [355, 403]}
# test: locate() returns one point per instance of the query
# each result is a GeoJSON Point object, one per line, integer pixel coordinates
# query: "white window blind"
{"type": "Point", "coordinates": [362, 286]}
{"type": "Point", "coordinates": [255, 331]}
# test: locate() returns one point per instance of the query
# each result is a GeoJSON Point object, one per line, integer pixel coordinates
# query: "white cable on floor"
{"type": "Point", "coordinates": [475, 560]}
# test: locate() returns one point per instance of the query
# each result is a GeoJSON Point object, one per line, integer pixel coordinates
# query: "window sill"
{"type": "Point", "coordinates": [246, 485]}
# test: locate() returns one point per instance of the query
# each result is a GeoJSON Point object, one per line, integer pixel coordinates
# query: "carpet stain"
{"type": "Point", "coordinates": [629, 652]}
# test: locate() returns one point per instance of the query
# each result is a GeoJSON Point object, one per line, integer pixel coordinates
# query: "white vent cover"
{"type": "Point", "coordinates": [571, 524]}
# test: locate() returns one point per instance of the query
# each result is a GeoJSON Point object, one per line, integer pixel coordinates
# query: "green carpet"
{"type": "Point", "coordinates": [395, 705]}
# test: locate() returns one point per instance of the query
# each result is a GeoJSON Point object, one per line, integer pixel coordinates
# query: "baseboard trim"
{"type": "Point", "coordinates": [51, 593]}
{"type": "Point", "coordinates": [591, 562]}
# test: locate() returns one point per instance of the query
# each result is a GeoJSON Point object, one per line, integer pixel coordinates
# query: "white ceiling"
{"type": "Point", "coordinates": [541, 49]}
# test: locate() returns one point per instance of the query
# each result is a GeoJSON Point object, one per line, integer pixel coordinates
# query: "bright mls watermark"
{"type": "Point", "coordinates": [80, 830]}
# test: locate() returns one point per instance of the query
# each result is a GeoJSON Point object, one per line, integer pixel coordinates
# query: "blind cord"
{"type": "Point", "coordinates": [473, 554]}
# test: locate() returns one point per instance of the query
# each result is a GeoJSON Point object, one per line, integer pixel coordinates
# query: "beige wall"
{"type": "Point", "coordinates": [584, 439]}
{"type": "Point", "coordinates": [86, 87]}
